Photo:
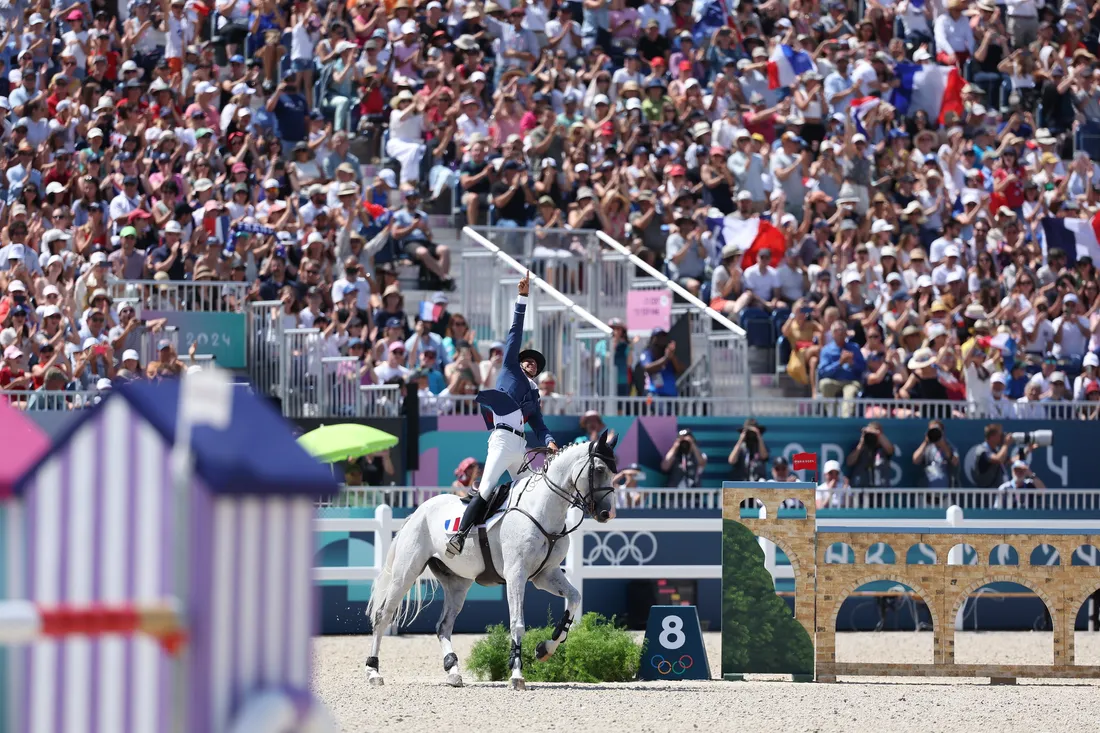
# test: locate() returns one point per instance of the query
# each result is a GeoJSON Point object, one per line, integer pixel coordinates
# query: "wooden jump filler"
{"type": "Point", "coordinates": [821, 588]}
{"type": "Point", "coordinates": [91, 537]}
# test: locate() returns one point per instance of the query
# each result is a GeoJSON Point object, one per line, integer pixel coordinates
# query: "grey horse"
{"type": "Point", "coordinates": [528, 542]}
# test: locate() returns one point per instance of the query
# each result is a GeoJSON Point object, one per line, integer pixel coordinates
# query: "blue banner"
{"type": "Point", "coordinates": [446, 440]}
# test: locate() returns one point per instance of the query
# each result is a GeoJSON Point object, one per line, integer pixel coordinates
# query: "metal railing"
{"type": "Point", "coordinates": [1067, 500]}
{"type": "Point", "coordinates": [609, 404]}
{"type": "Point", "coordinates": [265, 346]}
{"type": "Point", "coordinates": [51, 400]}
{"type": "Point", "coordinates": [566, 333]}
{"type": "Point", "coordinates": [717, 343]}
{"type": "Point", "coordinates": [173, 295]}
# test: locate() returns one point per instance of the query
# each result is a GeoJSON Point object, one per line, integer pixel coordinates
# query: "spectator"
{"type": "Point", "coordinates": [467, 475]}
{"type": "Point", "coordinates": [684, 462]}
{"type": "Point", "coordinates": [660, 366]}
{"type": "Point", "coordinates": [841, 366]}
{"type": "Point", "coordinates": [749, 456]}
{"type": "Point", "coordinates": [591, 426]}
{"type": "Point", "coordinates": [937, 457]}
{"type": "Point", "coordinates": [414, 237]}
{"type": "Point", "coordinates": [834, 491]}
{"type": "Point", "coordinates": [1023, 479]}
{"type": "Point", "coordinates": [870, 463]}
{"type": "Point", "coordinates": [1090, 375]}
{"type": "Point", "coordinates": [781, 471]}
{"type": "Point", "coordinates": [626, 484]}
{"type": "Point", "coordinates": [394, 365]}
{"type": "Point", "coordinates": [993, 457]}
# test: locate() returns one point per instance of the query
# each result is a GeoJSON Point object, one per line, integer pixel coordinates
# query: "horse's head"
{"type": "Point", "coordinates": [595, 483]}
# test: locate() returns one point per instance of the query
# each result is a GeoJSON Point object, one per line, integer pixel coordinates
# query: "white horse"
{"type": "Point", "coordinates": [528, 542]}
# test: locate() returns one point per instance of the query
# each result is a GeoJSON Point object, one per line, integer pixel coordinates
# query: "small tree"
{"type": "Point", "coordinates": [597, 651]}
{"type": "Point", "coordinates": [759, 634]}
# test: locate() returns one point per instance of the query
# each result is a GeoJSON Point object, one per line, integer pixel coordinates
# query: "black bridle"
{"type": "Point", "coordinates": [587, 503]}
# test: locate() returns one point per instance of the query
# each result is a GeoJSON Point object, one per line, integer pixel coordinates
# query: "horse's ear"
{"type": "Point", "coordinates": [613, 439]}
{"type": "Point", "coordinates": [602, 440]}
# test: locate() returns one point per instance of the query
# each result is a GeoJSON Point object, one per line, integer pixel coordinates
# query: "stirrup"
{"type": "Point", "coordinates": [455, 544]}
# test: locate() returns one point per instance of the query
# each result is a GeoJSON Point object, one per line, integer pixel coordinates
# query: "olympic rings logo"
{"type": "Point", "coordinates": [615, 547]}
{"type": "Point", "coordinates": [665, 667]}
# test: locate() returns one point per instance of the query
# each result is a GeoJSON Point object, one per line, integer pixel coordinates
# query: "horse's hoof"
{"type": "Point", "coordinates": [454, 679]}
{"type": "Point", "coordinates": [518, 683]}
{"type": "Point", "coordinates": [541, 652]}
{"type": "Point", "coordinates": [374, 679]}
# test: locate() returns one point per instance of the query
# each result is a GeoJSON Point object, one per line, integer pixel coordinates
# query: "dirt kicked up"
{"type": "Point", "coordinates": [414, 697]}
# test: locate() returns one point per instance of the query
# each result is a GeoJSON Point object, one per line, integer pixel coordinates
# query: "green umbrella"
{"type": "Point", "coordinates": [331, 443]}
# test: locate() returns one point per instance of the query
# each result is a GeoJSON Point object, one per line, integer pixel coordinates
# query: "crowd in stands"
{"type": "Point", "coordinates": [297, 148]}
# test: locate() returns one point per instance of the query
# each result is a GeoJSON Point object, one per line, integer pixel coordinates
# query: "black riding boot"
{"type": "Point", "coordinates": [474, 513]}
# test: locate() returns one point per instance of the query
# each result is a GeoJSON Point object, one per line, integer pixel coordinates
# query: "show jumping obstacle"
{"type": "Point", "coordinates": [94, 539]}
{"type": "Point", "coordinates": [821, 588]}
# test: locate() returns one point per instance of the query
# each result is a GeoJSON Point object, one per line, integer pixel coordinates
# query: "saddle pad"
{"type": "Point", "coordinates": [451, 525]}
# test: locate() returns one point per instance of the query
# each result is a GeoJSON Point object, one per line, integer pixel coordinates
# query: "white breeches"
{"type": "Point", "coordinates": [506, 453]}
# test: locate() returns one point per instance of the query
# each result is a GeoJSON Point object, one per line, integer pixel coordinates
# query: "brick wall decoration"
{"type": "Point", "coordinates": [821, 588]}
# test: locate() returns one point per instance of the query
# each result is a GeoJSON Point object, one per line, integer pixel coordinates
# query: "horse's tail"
{"type": "Point", "coordinates": [380, 603]}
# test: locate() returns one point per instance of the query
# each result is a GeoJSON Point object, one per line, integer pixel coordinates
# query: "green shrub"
{"type": "Point", "coordinates": [596, 651]}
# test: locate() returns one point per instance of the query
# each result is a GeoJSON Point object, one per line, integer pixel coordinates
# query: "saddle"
{"type": "Point", "coordinates": [489, 576]}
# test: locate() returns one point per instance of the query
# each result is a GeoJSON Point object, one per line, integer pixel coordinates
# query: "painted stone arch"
{"type": "Point", "coordinates": [872, 576]}
{"type": "Point", "coordinates": [857, 558]}
{"type": "Point", "coordinates": [804, 601]}
{"type": "Point", "coordinates": [962, 593]}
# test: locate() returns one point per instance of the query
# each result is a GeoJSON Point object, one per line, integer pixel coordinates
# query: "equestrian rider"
{"type": "Point", "coordinates": [513, 402]}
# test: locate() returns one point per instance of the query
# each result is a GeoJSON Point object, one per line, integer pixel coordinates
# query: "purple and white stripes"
{"type": "Point", "coordinates": [100, 526]}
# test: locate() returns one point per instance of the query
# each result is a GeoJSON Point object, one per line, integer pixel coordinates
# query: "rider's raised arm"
{"type": "Point", "coordinates": [514, 342]}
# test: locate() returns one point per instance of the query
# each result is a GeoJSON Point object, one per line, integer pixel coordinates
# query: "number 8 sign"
{"type": "Point", "coordinates": [674, 645]}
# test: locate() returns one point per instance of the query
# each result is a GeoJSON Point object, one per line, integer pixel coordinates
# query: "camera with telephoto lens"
{"type": "Point", "coordinates": [685, 440]}
{"type": "Point", "coordinates": [934, 435]}
{"type": "Point", "coordinates": [1041, 438]}
{"type": "Point", "coordinates": [870, 438]}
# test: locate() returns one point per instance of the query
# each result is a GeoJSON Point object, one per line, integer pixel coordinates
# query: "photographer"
{"type": "Point", "coordinates": [938, 457]}
{"type": "Point", "coordinates": [749, 456]}
{"type": "Point", "coordinates": [994, 456]}
{"type": "Point", "coordinates": [684, 462]}
{"type": "Point", "coordinates": [1023, 478]}
{"type": "Point", "coordinates": [869, 463]}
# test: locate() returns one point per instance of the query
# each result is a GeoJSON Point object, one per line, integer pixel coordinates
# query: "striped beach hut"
{"type": "Point", "coordinates": [100, 525]}
{"type": "Point", "coordinates": [24, 444]}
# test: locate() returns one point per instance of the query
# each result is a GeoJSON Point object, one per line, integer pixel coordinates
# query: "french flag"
{"type": "Point", "coordinates": [859, 109]}
{"type": "Point", "coordinates": [930, 87]}
{"type": "Point", "coordinates": [452, 525]}
{"type": "Point", "coordinates": [751, 235]}
{"type": "Point", "coordinates": [786, 65]}
{"type": "Point", "coordinates": [1076, 237]}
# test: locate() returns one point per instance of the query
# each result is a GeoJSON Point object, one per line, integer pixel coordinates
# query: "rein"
{"type": "Point", "coordinates": [587, 504]}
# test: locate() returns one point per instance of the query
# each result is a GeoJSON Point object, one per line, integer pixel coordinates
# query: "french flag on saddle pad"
{"type": "Point", "coordinates": [451, 525]}
{"type": "Point", "coordinates": [786, 65]}
{"type": "Point", "coordinates": [1076, 237]}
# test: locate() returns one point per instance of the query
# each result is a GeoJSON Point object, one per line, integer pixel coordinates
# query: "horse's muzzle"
{"type": "Point", "coordinates": [603, 515]}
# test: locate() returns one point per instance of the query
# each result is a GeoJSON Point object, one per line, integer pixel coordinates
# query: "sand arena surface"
{"type": "Point", "coordinates": [414, 697]}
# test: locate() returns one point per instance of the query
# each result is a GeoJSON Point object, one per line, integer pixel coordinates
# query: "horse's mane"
{"type": "Point", "coordinates": [607, 455]}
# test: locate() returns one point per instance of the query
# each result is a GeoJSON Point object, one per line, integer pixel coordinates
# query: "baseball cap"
{"type": "Point", "coordinates": [397, 346]}
{"type": "Point", "coordinates": [394, 322]}
{"type": "Point", "coordinates": [832, 466]}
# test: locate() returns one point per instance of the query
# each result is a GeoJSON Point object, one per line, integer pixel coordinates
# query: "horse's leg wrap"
{"type": "Point", "coordinates": [515, 659]}
{"type": "Point", "coordinates": [561, 632]}
{"type": "Point", "coordinates": [450, 661]}
{"type": "Point", "coordinates": [372, 663]}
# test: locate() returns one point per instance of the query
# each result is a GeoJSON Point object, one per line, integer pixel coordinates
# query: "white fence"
{"type": "Point", "coordinates": [576, 565]}
{"type": "Point", "coordinates": [580, 566]}
{"type": "Point", "coordinates": [167, 295]}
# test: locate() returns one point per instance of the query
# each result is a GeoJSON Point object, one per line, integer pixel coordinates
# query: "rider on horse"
{"type": "Point", "coordinates": [513, 402]}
